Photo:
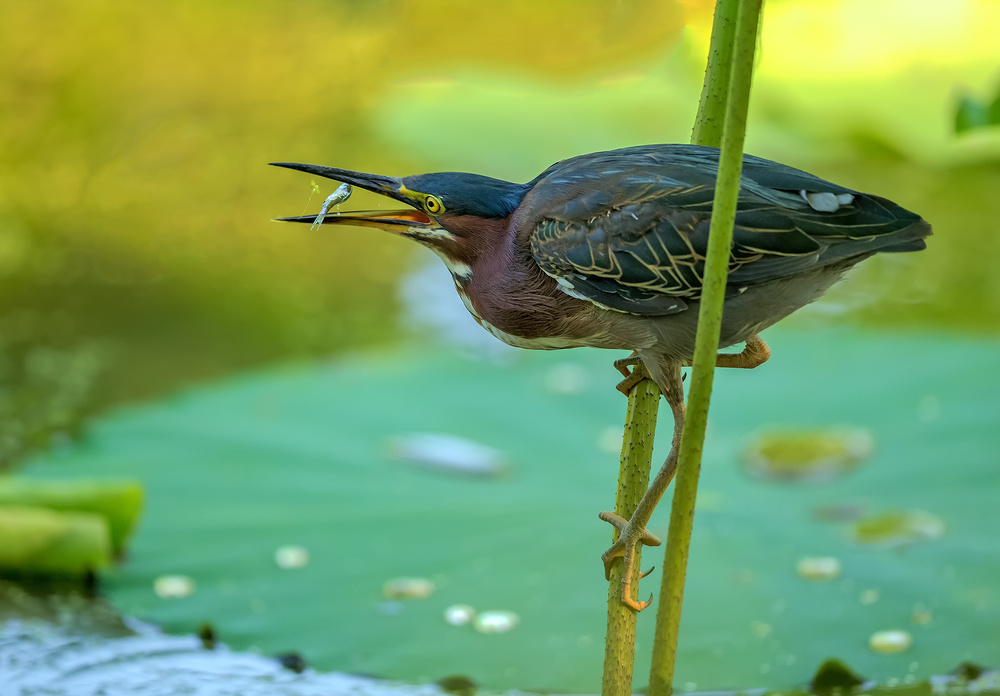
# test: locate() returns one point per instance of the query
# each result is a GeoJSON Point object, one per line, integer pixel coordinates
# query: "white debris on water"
{"type": "Point", "coordinates": [496, 621]}
{"type": "Point", "coordinates": [173, 586]}
{"type": "Point", "coordinates": [819, 568]}
{"type": "Point", "coordinates": [449, 454]}
{"type": "Point", "coordinates": [459, 614]}
{"type": "Point", "coordinates": [887, 642]}
{"type": "Point", "coordinates": [291, 557]}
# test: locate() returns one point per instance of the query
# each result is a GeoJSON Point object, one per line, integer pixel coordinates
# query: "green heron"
{"type": "Point", "coordinates": [607, 250]}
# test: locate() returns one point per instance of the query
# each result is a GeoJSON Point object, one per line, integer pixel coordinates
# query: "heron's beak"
{"type": "Point", "coordinates": [396, 221]}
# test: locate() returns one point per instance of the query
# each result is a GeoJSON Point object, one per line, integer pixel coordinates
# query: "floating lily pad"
{"type": "Point", "coordinates": [297, 456]}
{"type": "Point", "coordinates": [810, 454]}
{"type": "Point", "coordinates": [898, 527]}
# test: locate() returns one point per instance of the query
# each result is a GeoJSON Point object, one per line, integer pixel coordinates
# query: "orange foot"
{"type": "Point", "coordinates": [633, 376]}
{"type": "Point", "coordinates": [624, 548]}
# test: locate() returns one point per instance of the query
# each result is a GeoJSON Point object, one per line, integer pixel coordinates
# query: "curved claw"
{"type": "Point", "coordinates": [624, 548]}
{"type": "Point", "coordinates": [646, 574]}
{"type": "Point", "coordinates": [637, 606]}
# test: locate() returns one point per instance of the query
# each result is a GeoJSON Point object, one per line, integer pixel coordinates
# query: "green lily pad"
{"type": "Point", "coordinates": [898, 527]}
{"type": "Point", "coordinates": [807, 454]}
{"type": "Point", "coordinates": [302, 456]}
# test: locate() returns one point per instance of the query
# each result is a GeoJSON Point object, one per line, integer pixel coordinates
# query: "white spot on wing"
{"type": "Point", "coordinates": [823, 202]}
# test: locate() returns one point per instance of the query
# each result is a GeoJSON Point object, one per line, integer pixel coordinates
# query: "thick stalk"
{"type": "Point", "coordinates": [678, 543]}
{"type": "Point", "coordinates": [633, 479]}
{"type": "Point", "coordinates": [714, 93]}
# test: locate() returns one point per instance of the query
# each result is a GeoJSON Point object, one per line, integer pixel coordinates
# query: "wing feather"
{"type": "Point", "coordinates": [628, 229]}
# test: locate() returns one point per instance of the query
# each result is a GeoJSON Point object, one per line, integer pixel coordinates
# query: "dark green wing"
{"type": "Point", "coordinates": [628, 229]}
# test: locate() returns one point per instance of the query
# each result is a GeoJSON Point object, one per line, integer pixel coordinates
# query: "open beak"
{"type": "Point", "coordinates": [397, 221]}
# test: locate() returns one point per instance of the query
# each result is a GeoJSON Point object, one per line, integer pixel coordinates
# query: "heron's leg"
{"type": "Point", "coordinates": [633, 376]}
{"type": "Point", "coordinates": [754, 354]}
{"type": "Point", "coordinates": [633, 531]}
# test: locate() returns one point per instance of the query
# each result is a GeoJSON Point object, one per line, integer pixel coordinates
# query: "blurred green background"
{"type": "Point", "coordinates": [137, 254]}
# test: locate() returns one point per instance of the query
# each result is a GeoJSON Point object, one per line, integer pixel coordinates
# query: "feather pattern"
{"type": "Point", "coordinates": [636, 243]}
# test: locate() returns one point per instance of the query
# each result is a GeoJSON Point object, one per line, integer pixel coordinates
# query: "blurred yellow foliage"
{"type": "Point", "coordinates": [134, 196]}
{"type": "Point", "coordinates": [557, 38]}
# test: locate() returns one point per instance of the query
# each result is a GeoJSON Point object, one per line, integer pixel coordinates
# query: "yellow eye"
{"type": "Point", "coordinates": [433, 205]}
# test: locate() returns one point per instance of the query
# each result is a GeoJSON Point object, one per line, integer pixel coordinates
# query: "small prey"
{"type": "Point", "coordinates": [339, 196]}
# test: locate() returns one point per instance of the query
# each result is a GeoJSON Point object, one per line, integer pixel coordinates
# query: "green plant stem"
{"type": "Point", "coordinates": [712, 106]}
{"type": "Point", "coordinates": [633, 479]}
{"type": "Point", "coordinates": [678, 543]}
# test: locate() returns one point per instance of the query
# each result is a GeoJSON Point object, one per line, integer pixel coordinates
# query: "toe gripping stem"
{"type": "Point", "coordinates": [633, 376]}
{"type": "Point", "coordinates": [624, 548]}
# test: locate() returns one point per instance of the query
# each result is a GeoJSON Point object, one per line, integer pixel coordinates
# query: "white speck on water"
{"type": "Point", "coordinates": [341, 194]}
{"type": "Point", "coordinates": [819, 568]}
{"type": "Point", "coordinates": [889, 642]}
{"type": "Point", "coordinates": [173, 586]}
{"type": "Point", "coordinates": [459, 614]}
{"type": "Point", "coordinates": [291, 557]}
{"type": "Point", "coordinates": [408, 588]}
{"type": "Point", "coordinates": [496, 621]}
